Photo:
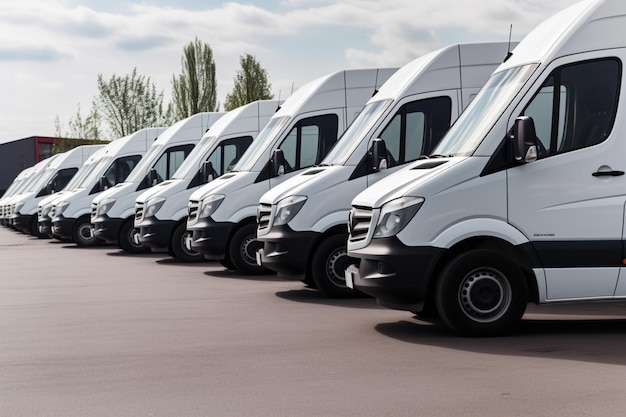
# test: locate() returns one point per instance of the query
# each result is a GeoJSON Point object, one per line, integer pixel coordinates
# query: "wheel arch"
{"type": "Point", "coordinates": [335, 230]}
{"type": "Point", "coordinates": [523, 258]}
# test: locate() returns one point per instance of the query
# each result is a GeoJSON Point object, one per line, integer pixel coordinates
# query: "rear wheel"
{"type": "Point", "coordinates": [128, 238]}
{"type": "Point", "coordinates": [328, 267]}
{"type": "Point", "coordinates": [243, 248]}
{"type": "Point", "coordinates": [178, 247]}
{"type": "Point", "coordinates": [84, 235]}
{"type": "Point", "coordinates": [481, 293]}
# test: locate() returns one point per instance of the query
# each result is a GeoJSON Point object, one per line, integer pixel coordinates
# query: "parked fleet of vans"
{"type": "Point", "coordinates": [468, 183]}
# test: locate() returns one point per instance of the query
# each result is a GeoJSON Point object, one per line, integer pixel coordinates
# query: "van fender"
{"type": "Point", "coordinates": [331, 220]}
{"type": "Point", "coordinates": [479, 227]}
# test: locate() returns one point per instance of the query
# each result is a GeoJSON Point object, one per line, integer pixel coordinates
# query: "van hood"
{"type": "Point", "coordinates": [49, 199]}
{"type": "Point", "coordinates": [165, 189]}
{"type": "Point", "coordinates": [309, 182]}
{"type": "Point", "coordinates": [226, 184]}
{"type": "Point", "coordinates": [403, 182]}
{"type": "Point", "coordinates": [116, 191]}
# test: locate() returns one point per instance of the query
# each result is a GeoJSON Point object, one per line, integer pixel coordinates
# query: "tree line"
{"type": "Point", "coordinates": [125, 104]}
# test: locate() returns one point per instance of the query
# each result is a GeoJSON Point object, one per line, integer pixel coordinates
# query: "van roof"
{"type": "Point", "coordinates": [430, 72]}
{"type": "Point", "coordinates": [314, 94]}
{"type": "Point", "coordinates": [585, 26]}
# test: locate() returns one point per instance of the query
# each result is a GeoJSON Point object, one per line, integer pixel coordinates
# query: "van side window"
{"type": "Point", "coordinates": [228, 152]}
{"type": "Point", "coordinates": [416, 128]}
{"type": "Point", "coordinates": [309, 141]}
{"type": "Point", "coordinates": [171, 159]}
{"type": "Point", "coordinates": [576, 106]}
{"type": "Point", "coordinates": [119, 170]}
{"type": "Point", "coordinates": [223, 158]}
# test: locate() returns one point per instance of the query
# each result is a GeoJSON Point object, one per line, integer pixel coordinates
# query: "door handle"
{"type": "Point", "coordinates": [608, 173]}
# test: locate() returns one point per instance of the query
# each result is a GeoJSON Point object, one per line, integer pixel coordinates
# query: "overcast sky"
{"type": "Point", "coordinates": [51, 51]}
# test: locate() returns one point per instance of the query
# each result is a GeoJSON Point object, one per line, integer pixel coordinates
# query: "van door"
{"type": "Point", "coordinates": [570, 201]}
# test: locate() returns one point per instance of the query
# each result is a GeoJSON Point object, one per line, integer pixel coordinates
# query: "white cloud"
{"type": "Point", "coordinates": [53, 50]}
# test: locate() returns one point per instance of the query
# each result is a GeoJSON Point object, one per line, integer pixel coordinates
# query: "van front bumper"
{"type": "Point", "coordinates": [22, 222]}
{"type": "Point", "coordinates": [155, 233]}
{"type": "Point", "coordinates": [45, 227]}
{"type": "Point", "coordinates": [287, 251]}
{"type": "Point", "coordinates": [398, 276]}
{"type": "Point", "coordinates": [63, 227]}
{"type": "Point", "coordinates": [211, 238]}
{"type": "Point", "coordinates": [107, 228]}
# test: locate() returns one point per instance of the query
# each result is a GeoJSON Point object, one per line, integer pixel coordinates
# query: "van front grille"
{"type": "Point", "coordinates": [359, 223]}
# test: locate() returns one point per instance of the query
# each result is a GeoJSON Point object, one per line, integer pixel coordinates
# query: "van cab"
{"type": "Point", "coordinates": [527, 199]}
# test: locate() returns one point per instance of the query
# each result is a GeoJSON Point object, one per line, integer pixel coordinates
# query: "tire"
{"type": "Point", "coordinates": [177, 246]}
{"type": "Point", "coordinates": [481, 293]}
{"type": "Point", "coordinates": [243, 248]}
{"type": "Point", "coordinates": [83, 234]}
{"type": "Point", "coordinates": [226, 263]}
{"type": "Point", "coordinates": [328, 267]}
{"type": "Point", "coordinates": [126, 239]}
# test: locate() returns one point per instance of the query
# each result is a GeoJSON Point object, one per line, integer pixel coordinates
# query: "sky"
{"type": "Point", "coordinates": [52, 51]}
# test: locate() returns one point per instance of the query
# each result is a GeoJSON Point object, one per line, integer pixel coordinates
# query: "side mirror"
{"type": "Point", "coordinates": [153, 178]}
{"type": "Point", "coordinates": [207, 172]}
{"type": "Point", "coordinates": [103, 183]}
{"type": "Point", "coordinates": [524, 140]}
{"type": "Point", "coordinates": [277, 163]}
{"type": "Point", "coordinates": [378, 151]}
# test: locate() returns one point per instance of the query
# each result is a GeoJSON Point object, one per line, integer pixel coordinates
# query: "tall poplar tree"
{"type": "Point", "coordinates": [195, 89]}
{"type": "Point", "coordinates": [251, 84]}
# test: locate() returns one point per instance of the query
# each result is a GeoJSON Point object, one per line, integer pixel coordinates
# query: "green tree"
{"type": "Point", "coordinates": [251, 84]}
{"type": "Point", "coordinates": [81, 131]}
{"type": "Point", "coordinates": [195, 89]}
{"type": "Point", "coordinates": [129, 103]}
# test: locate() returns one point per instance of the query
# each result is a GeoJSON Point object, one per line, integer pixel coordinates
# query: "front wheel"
{"type": "Point", "coordinates": [243, 248]}
{"type": "Point", "coordinates": [84, 235]}
{"type": "Point", "coordinates": [179, 249]}
{"type": "Point", "coordinates": [481, 293]}
{"type": "Point", "coordinates": [328, 267]}
{"type": "Point", "coordinates": [129, 237]}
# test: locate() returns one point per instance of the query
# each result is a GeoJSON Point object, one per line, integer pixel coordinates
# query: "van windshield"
{"type": "Point", "coordinates": [476, 121]}
{"type": "Point", "coordinates": [83, 171]}
{"type": "Point", "coordinates": [95, 173]}
{"type": "Point", "coordinates": [260, 144]}
{"type": "Point", "coordinates": [350, 140]}
{"type": "Point", "coordinates": [143, 166]}
{"type": "Point", "coordinates": [193, 162]}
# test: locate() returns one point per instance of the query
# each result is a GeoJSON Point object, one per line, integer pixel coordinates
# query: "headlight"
{"type": "Point", "coordinates": [105, 205]}
{"type": "Point", "coordinates": [18, 207]}
{"type": "Point", "coordinates": [210, 204]}
{"type": "Point", "coordinates": [154, 205]}
{"type": "Point", "coordinates": [61, 207]}
{"type": "Point", "coordinates": [395, 214]}
{"type": "Point", "coordinates": [45, 210]}
{"type": "Point", "coordinates": [287, 208]}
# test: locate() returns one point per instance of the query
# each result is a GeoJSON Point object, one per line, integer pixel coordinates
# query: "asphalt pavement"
{"type": "Point", "coordinates": [97, 332]}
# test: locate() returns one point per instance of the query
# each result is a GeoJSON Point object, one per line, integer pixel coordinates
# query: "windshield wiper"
{"type": "Point", "coordinates": [441, 156]}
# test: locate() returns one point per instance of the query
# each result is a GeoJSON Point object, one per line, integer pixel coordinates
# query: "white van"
{"type": "Point", "coordinates": [53, 179]}
{"type": "Point", "coordinates": [165, 228]}
{"type": "Point", "coordinates": [27, 185]}
{"type": "Point", "coordinates": [303, 221]}
{"type": "Point", "coordinates": [222, 214]}
{"type": "Point", "coordinates": [44, 222]}
{"type": "Point", "coordinates": [526, 202]}
{"type": "Point", "coordinates": [71, 215]}
{"type": "Point", "coordinates": [15, 188]}
{"type": "Point", "coordinates": [113, 210]}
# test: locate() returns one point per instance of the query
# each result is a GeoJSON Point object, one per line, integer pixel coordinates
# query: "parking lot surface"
{"type": "Point", "coordinates": [96, 332]}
